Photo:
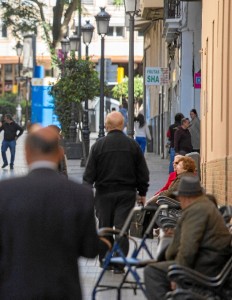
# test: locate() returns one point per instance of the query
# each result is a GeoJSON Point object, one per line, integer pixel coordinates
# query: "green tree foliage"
{"type": "Point", "coordinates": [118, 2]}
{"type": "Point", "coordinates": [79, 81]}
{"type": "Point", "coordinates": [121, 90]}
{"type": "Point", "coordinates": [26, 16]}
{"type": "Point", "coordinates": [8, 104]}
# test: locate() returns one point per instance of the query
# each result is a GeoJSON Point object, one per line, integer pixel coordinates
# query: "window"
{"type": "Point", "coordinates": [116, 31]}
{"type": "Point", "coordinates": [3, 30]}
{"type": "Point", "coordinates": [87, 1]}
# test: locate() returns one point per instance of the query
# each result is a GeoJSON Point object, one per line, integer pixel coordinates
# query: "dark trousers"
{"type": "Point", "coordinates": [156, 280]}
{"type": "Point", "coordinates": [112, 209]}
{"type": "Point", "coordinates": [5, 146]}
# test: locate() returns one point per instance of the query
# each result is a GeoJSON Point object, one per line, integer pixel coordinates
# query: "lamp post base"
{"type": "Point", "coordinates": [73, 150]}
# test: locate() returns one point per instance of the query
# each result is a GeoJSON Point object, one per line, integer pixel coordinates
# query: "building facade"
{"type": "Point", "coordinates": [216, 105]}
{"type": "Point", "coordinates": [116, 43]}
{"type": "Point", "coordinates": [172, 40]}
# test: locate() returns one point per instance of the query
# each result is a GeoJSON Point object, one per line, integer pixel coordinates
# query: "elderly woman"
{"type": "Point", "coordinates": [185, 167]}
{"type": "Point", "coordinates": [172, 176]}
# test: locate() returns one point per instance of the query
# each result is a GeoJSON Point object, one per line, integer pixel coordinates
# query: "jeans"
{"type": "Point", "coordinates": [5, 146]}
{"type": "Point", "coordinates": [172, 155]}
{"type": "Point", "coordinates": [142, 142]}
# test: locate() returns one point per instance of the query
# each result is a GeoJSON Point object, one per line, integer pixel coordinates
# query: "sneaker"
{"type": "Point", "coordinates": [4, 165]}
{"type": "Point", "coordinates": [11, 167]}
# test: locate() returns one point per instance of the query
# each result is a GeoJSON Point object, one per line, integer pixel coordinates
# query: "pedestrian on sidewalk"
{"type": "Point", "coordinates": [12, 132]}
{"type": "Point", "coordinates": [62, 166]}
{"type": "Point", "coordinates": [117, 168]}
{"type": "Point", "coordinates": [170, 135]}
{"type": "Point", "coordinates": [194, 129]}
{"type": "Point", "coordinates": [142, 132]}
{"type": "Point", "coordinates": [47, 223]}
{"type": "Point", "coordinates": [182, 138]}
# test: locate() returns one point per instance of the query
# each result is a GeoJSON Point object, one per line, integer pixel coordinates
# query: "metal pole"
{"type": "Point", "coordinates": [79, 29]}
{"type": "Point", "coordinates": [86, 52]}
{"type": "Point", "coordinates": [85, 130]}
{"type": "Point", "coordinates": [162, 122]}
{"type": "Point", "coordinates": [19, 108]}
{"type": "Point", "coordinates": [27, 100]}
{"type": "Point", "coordinates": [72, 127]}
{"type": "Point", "coordinates": [19, 76]}
{"type": "Point", "coordinates": [34, 52]}
{"type": "Point", "coordinates": [102, 75]}
{"type": "Point", "coordinates": [130, 128]}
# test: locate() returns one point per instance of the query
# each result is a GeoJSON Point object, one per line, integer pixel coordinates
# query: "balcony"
{"type": "Point", "coordinates": [172, 19]}
{"type": "Point", "coordinates": [152, 9]}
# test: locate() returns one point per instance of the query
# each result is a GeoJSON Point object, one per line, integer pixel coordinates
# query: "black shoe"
{"type": "Point", "coordinates": [109, 267]}
{"type": "Point", "coordinates": [11, 167]}
{"type": "Point", "coordinates": [4, 165]}
{"type": "Point", "coordinates": [119, 270]}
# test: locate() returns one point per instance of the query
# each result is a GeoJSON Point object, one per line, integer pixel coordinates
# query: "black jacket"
{"type": "Point", "coordinates": [182, 140]}
{"type": "Point", "coordinates": [172, 130]}
{"type": "Point", "coordinates": [116, 163]}
{"type": "Point", "coordinates": [10, 131]}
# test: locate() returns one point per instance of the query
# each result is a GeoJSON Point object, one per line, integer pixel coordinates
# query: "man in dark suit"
{"type": "Point", "coordinates": [46, 223]}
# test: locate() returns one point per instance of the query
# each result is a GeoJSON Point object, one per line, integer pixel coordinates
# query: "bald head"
{"type": "Point", "coordinates": [114, 120]}
{"type": "Point", "coordinates": [43, 144]}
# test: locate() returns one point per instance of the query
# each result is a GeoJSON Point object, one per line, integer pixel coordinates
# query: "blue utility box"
{"type": "Point", "coordinates": [42, 104]}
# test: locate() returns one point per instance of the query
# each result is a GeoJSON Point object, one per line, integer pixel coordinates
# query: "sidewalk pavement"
{"type": "Point", "coordinates": [89, 269]}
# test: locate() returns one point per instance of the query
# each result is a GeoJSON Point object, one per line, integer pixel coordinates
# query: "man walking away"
{"type": "Point", "coordinates": [47, 223]}
{"type": "Point", "coordinates": [117, 169]}
{"type": "Point", "coordinates": [182, 138]}
{"type": "Point", "coordinates": [11, 135]}
{"type": "Point", "coordinates": [170, 135]}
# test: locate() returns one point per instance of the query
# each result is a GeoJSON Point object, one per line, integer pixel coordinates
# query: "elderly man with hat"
{"type": "Point", "coordinates": [201, 240]}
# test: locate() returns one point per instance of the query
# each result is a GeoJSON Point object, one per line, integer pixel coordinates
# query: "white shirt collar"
{"type": "Point", "coordinates": [42, 164]}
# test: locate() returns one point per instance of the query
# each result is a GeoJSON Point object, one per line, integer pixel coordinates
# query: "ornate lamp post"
{"type": "Point", "coordinates": [131, 9]}
{"type": "Point", "coordinates": [102, 19]}
{"type": "Point", "coordinates": [19, 51]}
{"type": "Point", "coordinates": [87, 33]}
{"type": "Point", "coordinates": [72, 44]}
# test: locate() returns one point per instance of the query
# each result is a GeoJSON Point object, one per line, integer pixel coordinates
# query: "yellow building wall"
{"type": "Point", "coordinates": [216, 93]}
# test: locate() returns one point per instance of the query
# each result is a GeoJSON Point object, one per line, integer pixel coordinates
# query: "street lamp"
{"type": "Point", "coordinates": [131, 8]}
{"type": "Point", "coordinates": [19, 51]}
{"type": "Point", "coordinates": [70, 44]}
{"type": "Point", "coordinates": [102, 19]}
{"type": "Point", "coordinates": [74, 42]}
{"type": "Point", "coordinates": [65, 46]}
{"type": "Point", "coordinates": [87, 33]}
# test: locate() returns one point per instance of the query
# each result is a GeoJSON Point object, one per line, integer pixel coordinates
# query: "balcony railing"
{"type": "Point", "coordinates": [172, 9]}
